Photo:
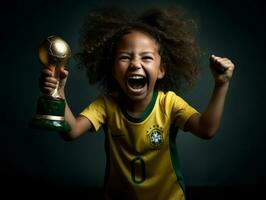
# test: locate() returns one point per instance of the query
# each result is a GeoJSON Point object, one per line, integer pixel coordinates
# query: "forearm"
{"type": "Point", "coordinates": [78, 125]}
{"type": "Point", "coordinates": [70, 118]}
{"type": "Point", "coordinates": [211, 117]}
{"type": "Point", "coordinates": [205, 125]}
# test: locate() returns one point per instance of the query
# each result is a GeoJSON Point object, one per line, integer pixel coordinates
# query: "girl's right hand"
{"type": "Point", "coordinates": [48, 82]}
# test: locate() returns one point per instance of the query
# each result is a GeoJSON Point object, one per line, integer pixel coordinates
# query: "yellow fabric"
{"type": "Point", "coordinates": [138, 153]}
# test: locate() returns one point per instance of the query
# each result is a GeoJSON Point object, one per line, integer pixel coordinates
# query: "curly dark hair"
{"type": "Point", "coordinates": [174, 32]}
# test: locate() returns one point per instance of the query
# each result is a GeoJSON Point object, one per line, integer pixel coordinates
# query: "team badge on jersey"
{"type": "Point", "coordinates": [155, 136]}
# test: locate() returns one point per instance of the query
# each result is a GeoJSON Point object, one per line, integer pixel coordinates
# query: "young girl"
{"type": "Point", "coordinates": [141, 60]}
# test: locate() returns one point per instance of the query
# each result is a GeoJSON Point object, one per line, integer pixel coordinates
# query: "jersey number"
{"type": "Point", "coordinates": [138, 171]}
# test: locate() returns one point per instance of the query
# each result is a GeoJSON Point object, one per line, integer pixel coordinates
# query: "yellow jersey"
{"type": "Point", "coordinates": [142, 159]}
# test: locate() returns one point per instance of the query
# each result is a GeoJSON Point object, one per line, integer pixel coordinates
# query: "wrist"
{"type": "Point", "coordinates": [219, 84]}
{"type": "Point", "coordinates": [221, 87]}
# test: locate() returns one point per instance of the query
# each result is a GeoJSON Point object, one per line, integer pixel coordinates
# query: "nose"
{"type": "Point", "coordinates": [136, 64]}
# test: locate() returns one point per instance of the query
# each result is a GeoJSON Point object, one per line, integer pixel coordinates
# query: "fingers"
{"type": "Point", "coordinates": [46, 72]}
{"type": "Point", "coordinates": [63, 73]}
{"type": "Point", "coordinates": [50, 72]}
{"type": "Point", "coordinates": [47, 82]}
{"type": "Point", "coordinates": [220, 64]}
{"type": "Point", "coordinates": [221, 60]}
{"type": "Point", "coordinates": [222, 69]}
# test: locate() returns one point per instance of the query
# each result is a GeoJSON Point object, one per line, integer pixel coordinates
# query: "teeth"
{"type": "Point", "coordinates": [136, 77]}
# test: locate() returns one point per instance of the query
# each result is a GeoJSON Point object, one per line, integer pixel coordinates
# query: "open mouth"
{"type": "Point", "coordinates": [137, 82]}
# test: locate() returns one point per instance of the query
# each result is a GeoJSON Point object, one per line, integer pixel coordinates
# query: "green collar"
{"type": "Point", "coordinates": [145, 114]}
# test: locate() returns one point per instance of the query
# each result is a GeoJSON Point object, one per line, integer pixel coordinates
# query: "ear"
{"type": "Point", "coordinates": [161, 72]}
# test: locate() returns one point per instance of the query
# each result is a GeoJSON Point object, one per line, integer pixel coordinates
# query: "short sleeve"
{"type": "Point", "coordinates": [181, 111]}
{"type": "Point", "coordinates": [96, 113]}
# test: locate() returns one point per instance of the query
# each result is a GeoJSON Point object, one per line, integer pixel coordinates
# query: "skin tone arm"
{"type": "Point", "coordinates": [205, 125]}
{"type": "Point", "coordinates": [80, 124]}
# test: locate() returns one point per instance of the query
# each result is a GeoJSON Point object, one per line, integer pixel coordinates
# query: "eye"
{"type": "Point", "coordinates": [147, 58]}
{"type": "Point", "coordinates": [124, 57]}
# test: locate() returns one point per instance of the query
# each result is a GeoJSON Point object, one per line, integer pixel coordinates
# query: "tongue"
{"type": "Point", "coordinates": [136, 86]}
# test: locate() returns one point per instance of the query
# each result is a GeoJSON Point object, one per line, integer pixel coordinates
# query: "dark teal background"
{"type": "Point", "coordinates": [236, 156]}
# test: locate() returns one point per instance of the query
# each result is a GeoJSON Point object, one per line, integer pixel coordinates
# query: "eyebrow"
{"type": "Point", "coordinates": [142, 53]}
{"type": "Point", "coordinates": [147, 52]}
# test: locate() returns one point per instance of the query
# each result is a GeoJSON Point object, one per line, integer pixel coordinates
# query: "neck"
{"type": "Point", "coordinates": [137, 107]}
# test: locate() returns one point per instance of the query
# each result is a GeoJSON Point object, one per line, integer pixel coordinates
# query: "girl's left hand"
{"type": "Point", "coordinates": [222, 69]}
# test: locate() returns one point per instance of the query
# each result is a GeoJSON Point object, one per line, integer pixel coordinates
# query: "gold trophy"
{"type": "Point", "coordinates": [53, 53]}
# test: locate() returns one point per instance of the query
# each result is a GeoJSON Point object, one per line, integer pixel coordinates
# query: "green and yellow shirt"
{"type": "Point", "coordinates": [142, 160]}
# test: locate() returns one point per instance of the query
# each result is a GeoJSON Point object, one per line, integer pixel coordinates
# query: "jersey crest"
{"type": "Point", "coordinates": [155, 137]}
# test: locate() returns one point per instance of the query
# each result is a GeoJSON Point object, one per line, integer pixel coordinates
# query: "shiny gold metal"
{"type": "Point", "coordinates": [54, 53]}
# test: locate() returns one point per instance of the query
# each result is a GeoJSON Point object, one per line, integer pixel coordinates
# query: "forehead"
{"type": "Point", "coordinates": [137, 39]}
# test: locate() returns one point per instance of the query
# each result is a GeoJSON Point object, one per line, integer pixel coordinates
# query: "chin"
{"type": "Point", "coordinates": [138, 97]}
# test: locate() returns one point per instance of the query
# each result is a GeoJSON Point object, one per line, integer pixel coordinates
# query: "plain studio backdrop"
{"type": "Point", "coordinates": [41, 159]}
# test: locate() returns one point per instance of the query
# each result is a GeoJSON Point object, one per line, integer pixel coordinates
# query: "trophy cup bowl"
{"type": "Point", "coordinates": [54, 54]}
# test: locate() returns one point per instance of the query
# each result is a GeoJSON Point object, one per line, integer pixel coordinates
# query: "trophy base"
{"type": "Point", "coordinates": [50, 115]}
{"type": "Point", "coordinates": [52, 125]}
